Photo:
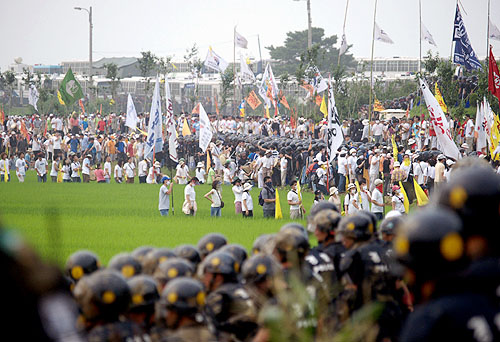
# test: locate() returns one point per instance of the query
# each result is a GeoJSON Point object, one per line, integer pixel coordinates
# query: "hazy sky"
{"type": "Point", "coordinates": [51, 31]}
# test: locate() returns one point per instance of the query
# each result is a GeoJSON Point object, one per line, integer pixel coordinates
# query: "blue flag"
{"type": "Point", "coordinates": [464, 54]}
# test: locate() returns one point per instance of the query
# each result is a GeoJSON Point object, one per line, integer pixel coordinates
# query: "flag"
{"type": "Point", "coordinates": [377, 106]}
{"type": "Point", "coordinates": [323, 109]}
{"type": "Point", "coordinates": [268, 89]}
{"type": "Point", "coordinates": [268, 116]}
{"type": "Point", "coordinates": [253, 100]}
{"type": "Point", "coordinates": [154, 141]}
{"type": "Point", "coordinates": [464, 53]}
{"type": "Point", "coordinates": [132, 119]}
{"type": "Point", "coordinates": [70, 90]}
{"type": "Point", "coordinates": [209, 163]}
{"type": "Point", "coordinates": [334, 134]}
{"type": "Point", "coordinates": [284, 102]}
{"type": "Point", "coordinates": [313, 77]}
{"type": "Point", "coordinates": [480, 127]}
{"type": "Point", "coordinates": [215, 62]}
{"type": "Point", "coordinates": [240, 41]}
{"type": "Point", "coordinates": [495, 136]}
{"type": "Point", "coordinates": [81, 105]}
{"type": "Point", "coordinates": [59, 97]}
{"type": "Point", "coordinates": [196, 109]}
{"type": "Point", "coordinates": [309, 88]}
{"type": "Point", "coordinates": [318, 100]}
{"type": "Point", "coordinates": [242, 109]}
{"type": "Point", "coordinates": [358, 189]}
{"type": "Point", "coordinates": [422, 198]}
{"type": "Point", "coordinates": [440, 99]}
{"type": "Point", "coordinates": [24, 131]}
{"type": "Point", "coordinates": [170, 128]}
{"type": "Point", "coordinates": [494, 31]}
{"type": "Point", "coordinates": [494, 76]}
{"type": "Point", "coordinates": [278, 214]}
{"type": "Point", "coordinates": [245, 72]}
{"type": "Point", "coordinates": [343, 45]}
{"type": "Point", "coordinates": [406, 202]}
{"type": "Point", "coordinates": [2, 115]}
{"type": "Point", "coordinates": [33, 96]}
{"type": "Point", "coordinates": [394, 148]}
{"type": "Point", "coordinates": [205, 131]}
{"type": "Point", "coordinates": [426, 35]}
{"type": "Point", "coordinates": [439, 122]}
{"type": "Point", "coordinates": [216, 105]}
{"type": "Point", "coordinates": [185, 128]}
{"type": "Point", "coordinates": [60, 173]}
{"type": "Point", "coordinates": [382, 36]}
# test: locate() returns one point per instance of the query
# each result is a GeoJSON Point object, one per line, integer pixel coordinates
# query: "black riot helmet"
{"type": "Point", "coordinates": [81, 263]}
{"type": "Point", "coordinates": [126, 264]}
{"type": "Point", "coordinates": [171, 269]}
{"type": "Point", "coordinates": [210, 243]}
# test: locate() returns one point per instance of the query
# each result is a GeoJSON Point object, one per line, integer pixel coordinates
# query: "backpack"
{"type": "Point", "coordinates": [261, 200]}
{"type": "Point", "coordinates": [312, 168]}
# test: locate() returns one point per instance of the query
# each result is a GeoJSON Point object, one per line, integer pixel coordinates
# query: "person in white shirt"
{"type": "Point", "coordinates": [21, 167]}
{"type": "Point", "coordinates": [118, 172]}
{"type": "Point", "coordinates": [283, 168]}
{"type": "Point", "coordinates": [75, 168]}
{"type": "Point", "coordinates": [227, 175]}
{"type": "Point", "coordinates": [107, 169]}
{"type": "Point", "coordinates": [153, 173]}
{"type": "Point", "coordinates": [342, 170]}
{"type": "Point", "coordinates": [4, 167]}
{"type": "Point", "coordinates": [143, 170]}
{"type": "Point", "coordinates": [55, 168]}
{"type": "Point", "coordinates": [41, 168]}
{"type": "Point", "coordinates": [351, 164]}
{"type": "Point", "coordinates": [215, 197]}
{"type": "Point", "coordinates": [378, 130]}
{"type": "Point", "coordinates": [267, 164]}
{"type": "Point", "coordinates": [374, 170]}
{"type": "Point", "coordinates": [246, 201]}
{"type": "Point", "coordinates": [182, 172]}
{"type": "Point", "coordinates": [377, 200]}
{"type": "Point", "coordinates": [397, 199]}
{"type": "Point", "coordinates": [86, 168]}
{"type": "Point", "coordinates": [365, 195]}
{"type": "Point", "coordinates": [200, 172]}
{"type": "Point", "coordinates": [56, 144]}
{"type": "Point", "coordinates": [237, 191]}
{"type": "Point", "coordinates": [129, 169]}
{"type": "Point", "coordinates": [189, 206]}
{"type": "Point", "coordinates": [294, 202]}
{"type": "Point", "coordinates": [351, 204]}
{"type": "Point", "coordinates": [469, 133]}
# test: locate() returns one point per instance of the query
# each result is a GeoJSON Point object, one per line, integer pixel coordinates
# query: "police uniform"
{"type": "Point", "coordinates": [117, 332]}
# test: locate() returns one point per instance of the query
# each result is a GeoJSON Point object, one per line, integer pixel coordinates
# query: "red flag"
{"type": "Point", "coordinates": [308, 87]}
{"type": "Point", "coordinates": [216, 106]}
{"type": "Point", "coordinates": [45, 130]}
{"type": "Point", "coordinates": [196, 109]}
{"type": "Point", "coordinates": [24, 131]}
{"type": "Point", "coordinates": [318, 101]}
{"type": "Point", "coordinates": [494, 77]}
{"type": "Point", "coordinates": [81, 105]}
{"type": "Point", "coordinates": [2, 115]}
{"type": "Point", "coordinates": [100, 112]}
{"type": "Point", "coordinates": [253, 100]}
{"type": "Point", "coordinates": [284, 102]}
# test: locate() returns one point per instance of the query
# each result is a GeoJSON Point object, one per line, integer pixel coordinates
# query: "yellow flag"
{"type": "Point", "coordinates": [267, 113]}
{"type": "Point", "coordinates": [495, 137]}
{"type": "Point", "coordinates": [59, 174]}
{"type": "Point", "coordinates": [208, 161]}
{"type": "Point", "coordinates": [185, 128]}
{"type": "Point", "coordinates": [394, 148]}
{"type": "Point", "coordinates": [377, 106]}
{"type": "Point", "coordinates": [406, 201]}
{"type": "Point", "coordinates": [422, 198]}
{"type": "Point", "coordinates": [323, 109]}
{"type": "Point", "coordinates": [299, 191]}
{"type": "Point", "coordinates": [346, 180]}
{"type": "Point", "coordinates": [60, 98]}
{"type": "Point", "coordinates": [359, 191]}
{"type": "Point", "coordinates": [440, 99]}
{"type": "Point", "coordinates": [278, 214]}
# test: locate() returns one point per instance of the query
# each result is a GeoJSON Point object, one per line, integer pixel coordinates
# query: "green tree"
{"type": "Point", "coordinates": [294, 51]}
{"type": "Point", "coordinates": [112, 74]}
{"type": "Point", "coordinates": [147, 63]}
{"type": "Point", "coordinates": [9, 81]}
{"type": "Point", "coordinates": [227, 88]}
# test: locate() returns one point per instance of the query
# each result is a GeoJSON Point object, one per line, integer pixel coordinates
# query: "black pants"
{"type": "Point", "coordinates": [250, 213]}
{"type": "Point", "coordinates": [142, 179]}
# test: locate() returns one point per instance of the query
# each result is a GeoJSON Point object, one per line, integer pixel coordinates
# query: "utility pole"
{"type": "Point", "coordinates": [309, 24]}
{"type": "Point", "coordinates": [89, 11]}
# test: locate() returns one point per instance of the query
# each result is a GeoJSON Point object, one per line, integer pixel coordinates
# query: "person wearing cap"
{"type": "Point", "coordinates": [200, 172]}
{"type": "Point", "coordinates": [238, 192]}
{"type": "Point", "coordinates": [189, 206]}
{"type": "Point", "coordinates": [351, 204]}
{"type": "Point", "coordinates": [247, 201]}
{"type": "Point", "coordinates": [398, 174]}
{"type": "Point", "coordinates": [439, 170]}
{"type": "Point", "coordinates": [164, 196]}
{"type": "Point", "coordinates": [377, 199]}
{"type": "Point", "coordinates": [154, 173]}
{"type": "Point", "coordinates": [398, 200]}
{"type": "Point", "coordinates": [182, 172]}
{"type": "Point", "coordinates": [334, 197]}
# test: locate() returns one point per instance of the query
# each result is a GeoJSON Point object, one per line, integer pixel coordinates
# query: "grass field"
{"type": "Point", "coordinates": [60, 218]}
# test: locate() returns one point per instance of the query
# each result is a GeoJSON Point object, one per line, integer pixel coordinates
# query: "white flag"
{"type": "Point", "coordinates": [205, 131]}
{"type": "Point", "coordinates": [268, 84]}
{"type": "Point", "coordinates": [314, 78]}
{"type": "Point", "coordinates": [132, 119]}
{"type": "Point", "coordinates": [480, 127]}
{"type": "Point", "coordinates": [426, 35]}
{"type": "Point", "coordinates": [171, 136]}
{"type": "Point", "coordinates": [343, 45]}
{"type": "Point", "coordinates": [33, 96]}
{"type": "Point", "coordinates": [215, 62]}
{"type": "Point", "coordinates": [439, 123]}
{"type": "Point", "coordinates": [382, 36]}
{"type": "Point", "coordinates": [246, 73]}
{"type": "Point", "coordinates": [240, 41]}
{"type": "Point", "coordinates": [489, 118]}
{"type": "Point", "coordinates": [154, 140]}
{"type": "Point", "coordinates": [334, 133]}
{"type": "Point", "coordinates": [494, 31]}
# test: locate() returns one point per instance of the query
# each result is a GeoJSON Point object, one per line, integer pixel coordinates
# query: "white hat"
{"type": "Point", "coordinates": [351, 186]}
{"type": "Point", "coordinates": [408, 153]}
{"type": "Point", "coordinates": [247, 187]}
{"type": "Point", "coordinates": [378, 182]}
{"type": "Point", "coordinates": [450, 162]}
{"type": "Point", "coordinates": [411, 141]}
{"type": "Point", "coordinates": [465, 146]}
{"type": "Point", "coordinates": [157, 164]}
{"type": "Point", "coordinates": [200, 164]}
{"type": "Point", "coordinates": [441, 156]}
{"type": "Point", "coordinates": [333, 190]}
{"type": "Point", "coordinates": [397, 164]}
{"type": "Point", "coordinates": [365, 122]}
{"type": "Point", "coordinates": [352, 151]}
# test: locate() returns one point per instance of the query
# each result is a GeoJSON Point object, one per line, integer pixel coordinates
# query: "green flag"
{"type": "Point", "coordinates": [70, 89]}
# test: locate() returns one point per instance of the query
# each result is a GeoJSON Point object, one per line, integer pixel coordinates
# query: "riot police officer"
{"type": "Point", "coordinates": [210, 243]}
{"type": "Point", "coordinates": [144, 295]}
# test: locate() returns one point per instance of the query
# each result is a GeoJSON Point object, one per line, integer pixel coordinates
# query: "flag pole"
{"type": "Point", "coordinates": [371, 70]}
{"type": "Point", "coordinates": [488, 37]}
{"type": "Point", "coordinates": [453, 36]}
{"type": "Point", "coordinates": [343, 28]}
{"type": "Point", "coordinates": [172, 192]}
{"type": "Point", "coordinates": [420, 44]}
{"type": "Point", "coordinates": [234, 63]}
